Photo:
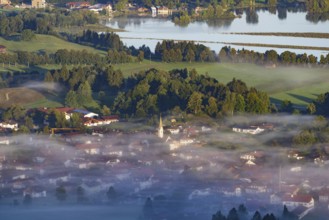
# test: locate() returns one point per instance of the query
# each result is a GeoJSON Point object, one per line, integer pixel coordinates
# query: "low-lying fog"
{"type": "Point", "coordinates": [189, 175]}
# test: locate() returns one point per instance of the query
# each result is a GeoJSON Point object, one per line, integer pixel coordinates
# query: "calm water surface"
{"type": "Point", "coordinates": [148, 31]}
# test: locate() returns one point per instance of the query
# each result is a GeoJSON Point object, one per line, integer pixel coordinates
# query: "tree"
{"type": "Point", "coordinates": [269, 217]}
{"type": "Point", "coordinates": [27, 199]}
{"type": "Point", "coordinates": [84, 94]}
{"type": "Point", "coordinates": [111, 194]}
{"type": "Point", "coordinates": [190, 55]}
{"type": "Point", "coordinates": [194, 104]}
{"type": "Point", "coordinates": [76, 121]}
{"type": "Point", "coordinates": [71, 99]}
{"type": "Point", "coordinates": [305, 137]}
{"type": "Point", "coordinates": [242, 211]}
{"type": "Point", "coordinates": [81, 195]}
{"type": "Point", "coordinates": [27, 35]}
{"type": "Point", "coordinates": [121, 5]}
{"type": "Point", "coordinates": [105, 110]}
{"type": "Point", "coordinates": [114, 77]}
{"type": "Point", "coordinates": [148, 209]}
{"type": "Point", "coordinates": [60, 193]}
{"type": "Point", "coordinates": [257, 216]}
{"type": "Point", "coordinates": [212, 107]}
{"type": "Point", "coordinates": [311, 108]}
{"type": "Point", "coordinates": [218, 216]}
{"type": "Point", "coordinates": [233, 215]}
{"type": "Point", "coordinates": [140, 56]}
{"type": "Point", "coordinates": [240, 104]}
{"type": "Point", "coordinates": [286, 106]}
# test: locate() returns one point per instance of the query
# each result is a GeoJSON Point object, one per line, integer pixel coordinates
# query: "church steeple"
{"type": "Point", "coordinates": [160, 130]}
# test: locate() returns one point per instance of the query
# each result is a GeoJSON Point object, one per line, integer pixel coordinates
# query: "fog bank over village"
{"type": "Point", "coordinates": [188, 170]}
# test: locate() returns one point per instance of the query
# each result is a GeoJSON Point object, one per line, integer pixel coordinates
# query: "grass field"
{"type": "Point", "coordinates": [45, 43]}
{"type": "Point", "coordinates": [29, 98]}
{"type": "Point", "coordinates": [298, 84]}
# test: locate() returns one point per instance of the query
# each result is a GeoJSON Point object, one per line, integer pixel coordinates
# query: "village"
{"type": "Point", "coordinates": [172, 162]}
{"type": "Point", "coordinates": [97, 8]}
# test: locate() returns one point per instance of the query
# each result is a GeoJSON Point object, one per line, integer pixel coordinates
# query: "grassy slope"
{"type": "Point", "coordinates": [45, 43]}
{"type": "Point", "coordinates": [297, 84]}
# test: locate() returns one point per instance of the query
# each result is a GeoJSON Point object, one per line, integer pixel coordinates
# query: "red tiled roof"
{"type": "Point", "coordinates": [298, 198]}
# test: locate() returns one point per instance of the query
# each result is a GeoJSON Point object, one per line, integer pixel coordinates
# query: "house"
{"type": "Point", "coordinates": [35, 192]}
{"type": "Point", "coordinates": [9, 125]}
{"type": "Point", "coordinates": [92, 149]}
{"type": "Point", "coordinates": [295, 155]}
{"type": "Point", "coordinates": [3, 49]}
{"type": "Point", "coordinates": [55, 178]}
{"type": "Point", "coordinates": [95, 186]}
{"type": "Point", "coordinates": [4, 140]}
{"type": "Point", "coordinates": [163, 10]}
{"type": "Point", "coordinates": [294, 201]}
{"type": "Point", "coordinates": [248, 129]}
{"type": "Point", "coordinates": [105, 120]}
{"type": "Point", "coordinates": [142, 10]}
{"type": "Point", "coordinates": [198, 10]}
{"type": "Point", "coordinates": [100, 7]}
{"type": "Point", "coordinates": [38, 3]}
{"type": "Point", "coordinates": [256, 189]}
{"type": "Point", "coordinates": [77, 5]}
{"type": "Point", "coordinates": [85, 113]}
{"type": "Point", "coordinates": [324, 195]}
{"type": "Point", "coordinates": [253, 155]}
{"type": "Point", "coordinates": [173, 130]}
{"type": "Point", "coordinates": [236, 192]}
{"type": "Point", "coordinates": [154, 11]}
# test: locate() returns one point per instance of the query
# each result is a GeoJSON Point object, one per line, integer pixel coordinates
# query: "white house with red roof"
{"type": "Point", "coordinates": [294, 201]}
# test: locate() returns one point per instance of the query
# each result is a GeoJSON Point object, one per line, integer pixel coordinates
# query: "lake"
{"type": "Point", "coordinates": [150, 30]}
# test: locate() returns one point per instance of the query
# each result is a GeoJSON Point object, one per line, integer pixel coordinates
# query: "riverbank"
{"type": "Point", "coordinates": [284, 34]}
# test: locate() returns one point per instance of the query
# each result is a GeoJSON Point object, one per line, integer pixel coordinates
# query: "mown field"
{"type": "Point", "coordinates": [44, 43]}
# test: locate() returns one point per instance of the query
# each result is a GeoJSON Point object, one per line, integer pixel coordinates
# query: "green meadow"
{"type": "Point", "coordinates": [46, 43]}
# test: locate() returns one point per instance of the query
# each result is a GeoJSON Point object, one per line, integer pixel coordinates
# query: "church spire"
{"type": "Point", "coordinates": [160, 130]}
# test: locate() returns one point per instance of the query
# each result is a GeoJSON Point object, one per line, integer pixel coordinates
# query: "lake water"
{"type": "Point", "coordinates": [148, 30]}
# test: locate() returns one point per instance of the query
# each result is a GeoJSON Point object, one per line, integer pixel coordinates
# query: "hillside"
{"type": "Point", "coordinates": [26, 97]}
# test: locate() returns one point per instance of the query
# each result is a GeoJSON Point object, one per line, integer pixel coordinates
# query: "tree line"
{"type": "Point", "coordinates": [61, 56]}
{"type": "Point", "coordinates": [171, 51]}
{"type": "Point", "coordinates": [242, 214]}
{"type": "Point", "coordinates": [44, 22]}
